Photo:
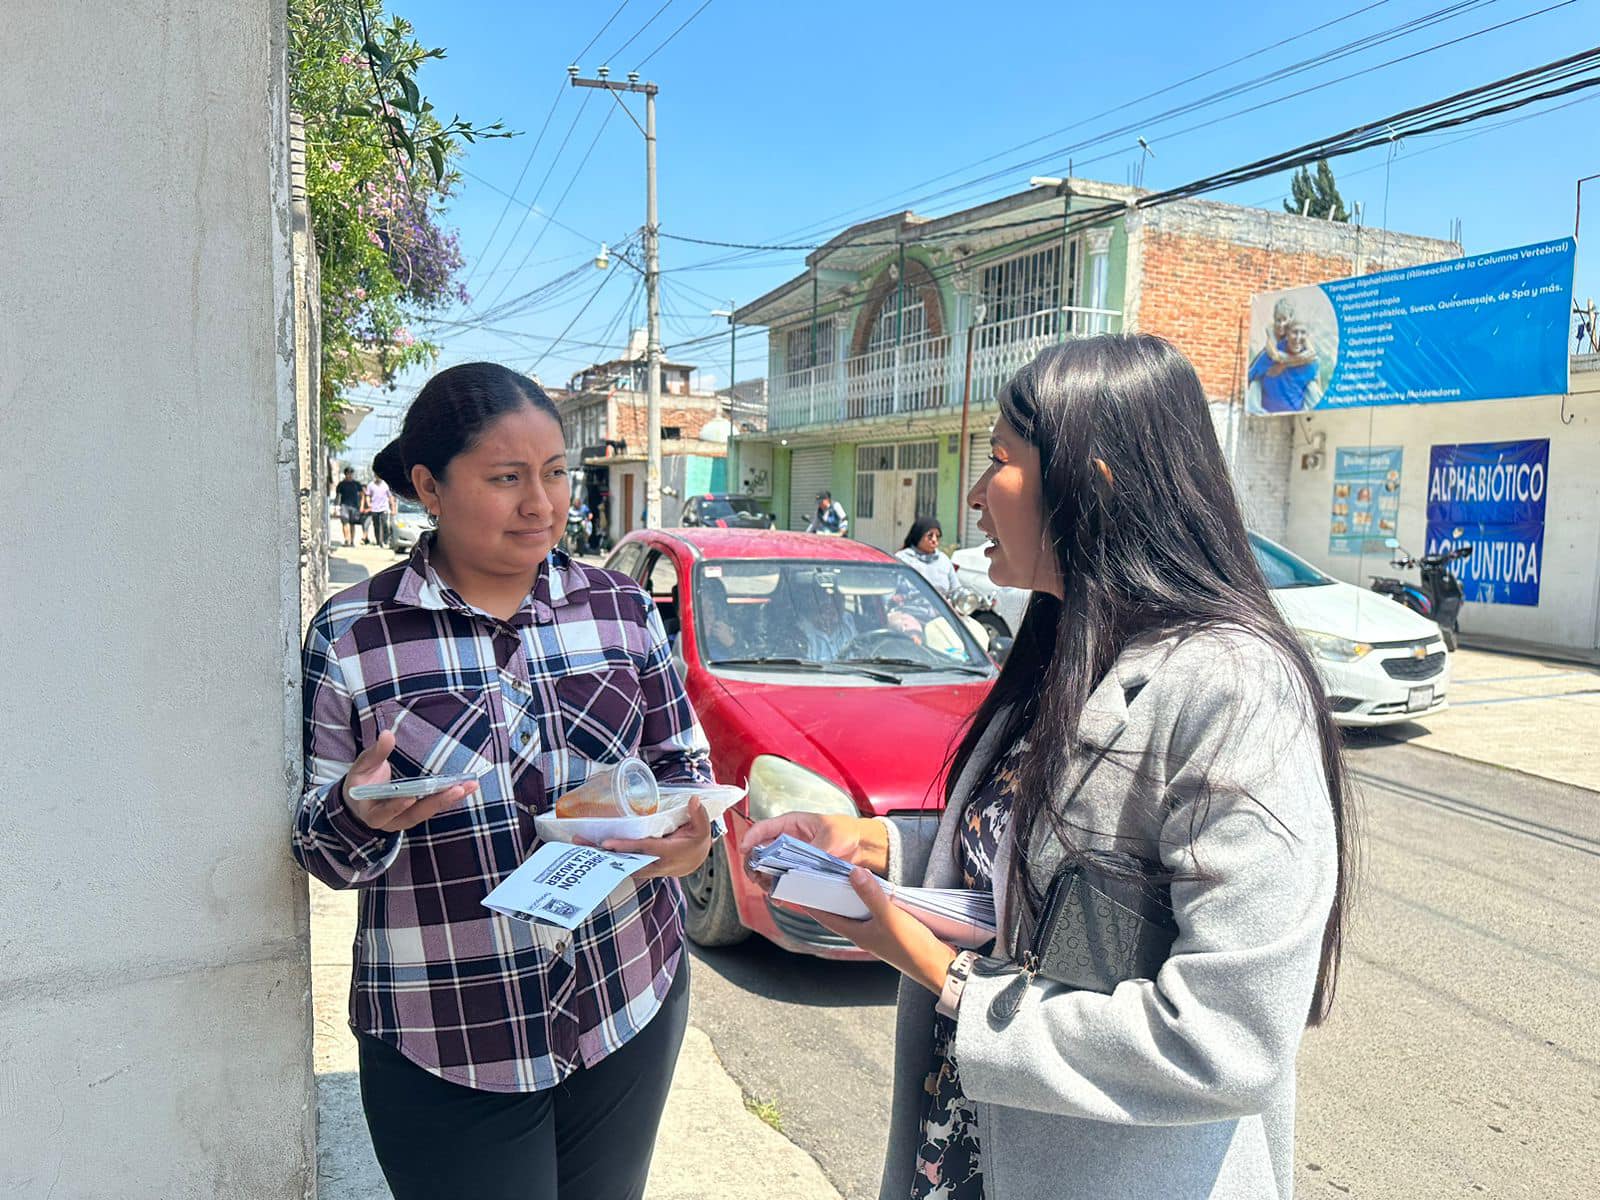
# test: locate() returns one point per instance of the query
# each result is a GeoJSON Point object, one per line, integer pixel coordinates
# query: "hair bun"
{"type": "Point", "coordinates": [390, 466]}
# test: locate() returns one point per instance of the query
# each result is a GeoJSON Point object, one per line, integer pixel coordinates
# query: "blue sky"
{"type": "Point", "coordinates": [786, 123]}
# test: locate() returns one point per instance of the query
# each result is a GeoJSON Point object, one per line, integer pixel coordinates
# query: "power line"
{"type": "Point", "coordinates": [595, 295]}
{"type": "Point", "coordinates": [537, 142]}
{"type": "Point", "coordinates": [1491, 99]}
{"type": "Point", "coordinates": [539, 191]}
{"type": "Point", "coordinates": [1410, 26]}
{"type": "Point", "coordinates": [606, 120]}
{"type": "Point", "coordinates": [672, 35]}
{"type": "Point", "coordinates": [618, 51]}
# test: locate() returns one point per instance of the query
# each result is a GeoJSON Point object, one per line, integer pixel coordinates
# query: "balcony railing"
{"type": "Point", "coordinates": [924, 375]}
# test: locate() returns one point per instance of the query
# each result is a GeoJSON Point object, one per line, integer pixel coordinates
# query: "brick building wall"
{"type": "Point", "coordinates": [689, 414]}
{"type": "Point", "coordinates": [1193, 267]}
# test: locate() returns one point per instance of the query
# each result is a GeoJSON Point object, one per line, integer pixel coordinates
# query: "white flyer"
{"type": "Point", "coordinates": [561, 884]}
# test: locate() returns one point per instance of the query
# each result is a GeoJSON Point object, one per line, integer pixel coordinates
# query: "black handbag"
{"type": "Point", "coordinates": [1095, 930]}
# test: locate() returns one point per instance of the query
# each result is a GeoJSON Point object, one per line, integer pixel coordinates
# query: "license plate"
{"type": "Point", "coordinates": [1420, 699]}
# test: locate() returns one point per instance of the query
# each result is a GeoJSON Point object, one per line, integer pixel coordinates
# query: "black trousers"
{"type": "Point", "coordinates": [588, 1138]}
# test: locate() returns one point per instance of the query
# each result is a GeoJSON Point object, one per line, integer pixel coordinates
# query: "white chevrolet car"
{"type": "Point", "coordinates": [1381, 662]}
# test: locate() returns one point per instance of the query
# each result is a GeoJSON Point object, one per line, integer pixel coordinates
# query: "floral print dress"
{"type": "Point", "coordinates": [948, 1167]}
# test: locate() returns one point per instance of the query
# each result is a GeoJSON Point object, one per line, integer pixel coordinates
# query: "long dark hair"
{"type": "Point", "coordinates": [919, 530]}
{"type": "Point", "coordinates": [1149, 538]}
{"type": "Point", "coordinates": [448, 416]}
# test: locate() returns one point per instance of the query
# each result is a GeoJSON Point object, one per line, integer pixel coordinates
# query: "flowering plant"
{"type": "Point", "coordinates": [377, 182]}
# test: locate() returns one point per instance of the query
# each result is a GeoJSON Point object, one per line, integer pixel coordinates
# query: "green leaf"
{"type": "Point", "coordinates": [436, 156]}
{"type": "Point", "coordinates": [413, 96]}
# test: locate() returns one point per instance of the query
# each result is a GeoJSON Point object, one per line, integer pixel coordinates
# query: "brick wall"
{"type": "Point", "coordinates": [1193, 269]}
{"type": "Point", "coordinates": [690, 414]}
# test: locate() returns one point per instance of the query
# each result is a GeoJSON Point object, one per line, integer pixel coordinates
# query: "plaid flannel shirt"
{"type": "Point", "coordinates": [579, 677]}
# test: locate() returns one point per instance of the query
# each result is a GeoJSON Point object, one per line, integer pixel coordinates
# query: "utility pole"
{"type": "Point", "coordinates": [733, 351]}
{"type": "Point", "coordinates": [652, 279]}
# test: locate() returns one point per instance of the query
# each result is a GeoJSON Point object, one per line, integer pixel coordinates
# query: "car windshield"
{"type": "Point", "coordinates": [828, 616]}
{"type": "Point", "coordinates": [723, 507]}
{"type": "Point", "coordinates": [1282, 569]}
{"type": "Point", "coordinates": [411, 506]}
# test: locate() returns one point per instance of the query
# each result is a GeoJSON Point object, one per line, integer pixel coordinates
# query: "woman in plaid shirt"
{"type": "Point", "coordinates": [497, 1058]}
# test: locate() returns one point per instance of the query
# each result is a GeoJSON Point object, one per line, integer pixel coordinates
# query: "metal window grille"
{"type": "Point", "coordinates": [865, 482]}
{"type": "Point", "coordinates": [927, 493]}
{"type": "Point", "coordinates": [918, 456]}
{"type": "Point", "coordinates": [1022, 295]}
{"type": "Point", "coordinates": [874, 458]}
{"type": "Point", "coordinates": [911, 323]}
{"type": "Point", "coordinates": [798, 342]}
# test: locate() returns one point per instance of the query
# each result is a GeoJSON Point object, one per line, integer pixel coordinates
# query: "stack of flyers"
{"type": "Point", "coordinates": [816, 879]}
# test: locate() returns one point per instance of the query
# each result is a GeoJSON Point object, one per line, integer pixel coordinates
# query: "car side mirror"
{"type": "Point", "coordinates": [1000, 649]}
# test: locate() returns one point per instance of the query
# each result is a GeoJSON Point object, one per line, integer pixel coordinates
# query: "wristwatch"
{"type": "Point", "coordinates": [955, 979]}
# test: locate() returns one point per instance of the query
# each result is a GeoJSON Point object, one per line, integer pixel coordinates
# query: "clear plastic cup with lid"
{"type": "Point", "coordinates": [626, 789]}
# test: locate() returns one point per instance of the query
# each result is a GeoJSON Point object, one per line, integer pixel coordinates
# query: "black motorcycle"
{"type": "Point", "coordinates": [1438, 597]}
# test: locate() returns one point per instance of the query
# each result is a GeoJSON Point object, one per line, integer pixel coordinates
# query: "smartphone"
{"type": "Point", "coordinates": [395, 789]}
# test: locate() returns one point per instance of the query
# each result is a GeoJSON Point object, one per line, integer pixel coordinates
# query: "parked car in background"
{"type": "Point", "coordinates": [1380, 662]}
{"type": "Point", "coordinates": [1006, 603]}
{"type": "Point", "coordinates": [726, 511]}
{"type": "Point", "coordinates": [828, 676]}
{"type": "Point", "coordinates": [410, 522]}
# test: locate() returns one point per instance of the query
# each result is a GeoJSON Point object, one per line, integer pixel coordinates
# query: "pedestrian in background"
{"type": "Point", "coordinates": [921, 553]}
{"type": "Point", "coordinates": [349, 502]}
{"type": "Point", "coordinates": [1159, 732]}
{"type": "Point", "coordinates": [498, 1059]}
{"type": "Point", "coordinates": [381, 504]}
{"type": "Point", "coordinates": [829, 517]}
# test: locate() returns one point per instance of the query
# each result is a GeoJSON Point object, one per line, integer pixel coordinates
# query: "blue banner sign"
{"type": "Point", "coordinates": [1366, 498]}
{"type": "Point", "coordinates": [1488, 327]}
{"type": "Point", "coordinates": [1491, 496]}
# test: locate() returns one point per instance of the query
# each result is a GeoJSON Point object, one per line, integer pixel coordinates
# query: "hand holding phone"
{"type": "Point", "coordinates": [392, 813]}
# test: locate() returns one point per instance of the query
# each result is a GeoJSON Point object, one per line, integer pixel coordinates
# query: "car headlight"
{"type": "Point", "coordinates": [778, 786]}
{"type": "Point", "coordinates": [1332, 648]}
{"type": "Point", "coordinates": [966, 601]}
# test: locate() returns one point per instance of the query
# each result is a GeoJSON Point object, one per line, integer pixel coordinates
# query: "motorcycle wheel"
{"type": "Point", "coordinates": [711, 917]}
{"type": "Point", "coordinates": [993, 622]}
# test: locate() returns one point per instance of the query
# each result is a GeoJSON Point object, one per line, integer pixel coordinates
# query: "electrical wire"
{"type": "Point", "coordinates": [539, 191]}
{"type": "Point", "coordinates": [672, 35]}
{"type": "Point", "coordinates": [615, 54]}
{"type": "Point", "coordinates": [604, 121]}
{"type": "Point", "coordinates": [537, 142]}
{"type": "Point", "coordinates": [1410, 26]}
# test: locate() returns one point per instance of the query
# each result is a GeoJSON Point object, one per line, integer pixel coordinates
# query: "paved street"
{"type": "Point", "coordinates": [1461, 1059]}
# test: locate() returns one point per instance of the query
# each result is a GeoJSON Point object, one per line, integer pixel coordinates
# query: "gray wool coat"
{"type": "Point", "coordinates": [1200, 753]}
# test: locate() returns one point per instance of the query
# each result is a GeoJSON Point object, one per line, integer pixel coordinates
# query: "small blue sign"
{"type": "Point", "coordinates": [1490, 326]}
{"type": "Point", "coordinates": [1491, 496]}
{"type": "Point", "coordinates": [1365, 510]}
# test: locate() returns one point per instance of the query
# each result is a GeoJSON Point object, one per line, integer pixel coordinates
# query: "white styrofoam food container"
{"type": "Point", "coordinates": [715, 798]}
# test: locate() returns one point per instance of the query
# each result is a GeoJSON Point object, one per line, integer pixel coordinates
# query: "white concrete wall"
{"type": "Point", "coordinates": [154, 1007]}
{"type": "Point", "coordinates": [1569, 592]}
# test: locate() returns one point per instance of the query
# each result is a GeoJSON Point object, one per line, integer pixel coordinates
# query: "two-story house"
{"type": "Point", "coordinates": [872, 350]}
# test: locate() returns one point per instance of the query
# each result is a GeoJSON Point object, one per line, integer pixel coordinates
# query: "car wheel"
{"type": "Point", "coordinates": [992, 622]}
{"type": "Point", "coordinates": [711, 916]}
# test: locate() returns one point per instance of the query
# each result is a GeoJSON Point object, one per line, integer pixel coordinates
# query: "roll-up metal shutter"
{"type": "Point", "coordinates": [977, 464]}
{"type": "Point", "coordinates": [810, 472]}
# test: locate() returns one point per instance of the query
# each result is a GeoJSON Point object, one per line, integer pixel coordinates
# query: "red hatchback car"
{"type": "Point", "coordinates": [828, 675]}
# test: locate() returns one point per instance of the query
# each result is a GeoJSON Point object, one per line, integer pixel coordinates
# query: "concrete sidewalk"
{"type": "Point", "coordinates": [1528, 714]}
{"type": "Point", "coordinates": [709, 1146]}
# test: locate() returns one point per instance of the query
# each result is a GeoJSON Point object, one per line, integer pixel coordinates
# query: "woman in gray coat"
{"type": "Point", "coordinates": [1157, 721]}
